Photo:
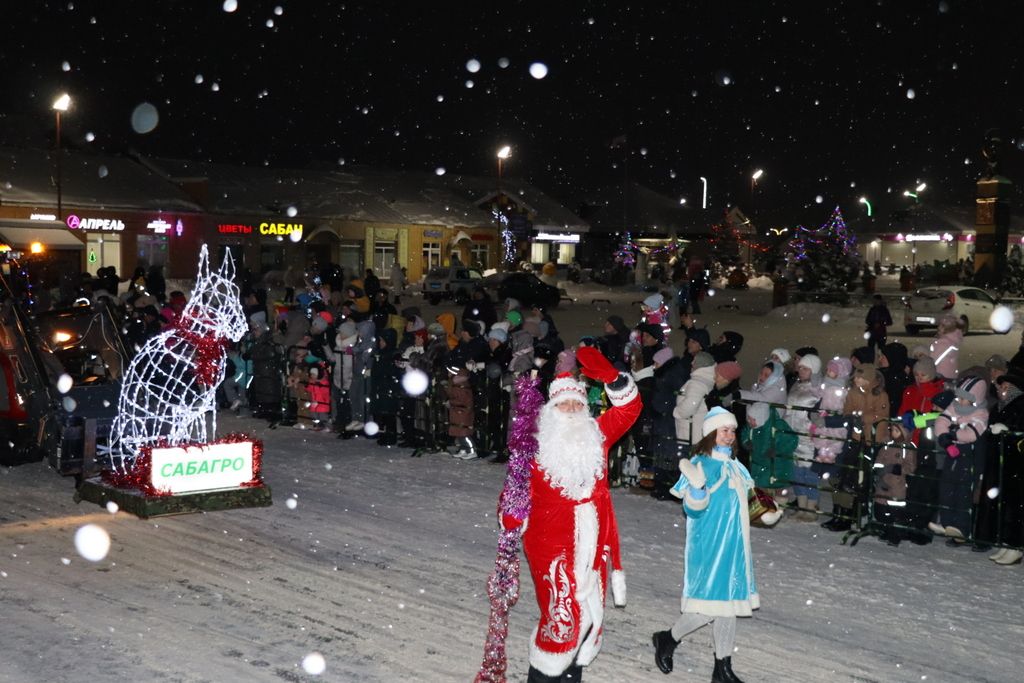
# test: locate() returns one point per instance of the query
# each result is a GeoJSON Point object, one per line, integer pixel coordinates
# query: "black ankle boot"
{"type": "Point", "coordinates": [723, 672]}
{"type": "Point", "coordinates": [574, 674]}
{"type": "Point", "coordinates": [664, 646]}
{"type": "Point", "coordinates": [536, 676]}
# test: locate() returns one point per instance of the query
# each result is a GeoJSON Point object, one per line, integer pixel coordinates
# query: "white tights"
{"type": "Point", "coordinates": [722, 628]}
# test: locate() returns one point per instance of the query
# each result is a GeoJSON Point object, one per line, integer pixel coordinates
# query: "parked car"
{"type": "Point", "coordinates": [455, 282]}
{"type": "Point", "coordinates": [528, 290]}
{"type": "Point", "coordinates": [971, 305]}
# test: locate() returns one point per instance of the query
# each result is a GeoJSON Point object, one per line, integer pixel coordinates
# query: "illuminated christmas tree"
{"type": "Point", "coordinates": [826, 257]}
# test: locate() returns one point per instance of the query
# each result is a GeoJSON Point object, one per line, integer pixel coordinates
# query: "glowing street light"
{"type": "Point", "coordinates": [920, 188]}
{"type": "Point", "coordinates": [503, 154]}
{"type": "Point", "coordinates": [865, 202]}
{"type": "Point", "coordinates": [753, 180]}
{"type": "Point", "coordinates": [61, 104]}
{"type": "Point", "coordinates": [704, 197]}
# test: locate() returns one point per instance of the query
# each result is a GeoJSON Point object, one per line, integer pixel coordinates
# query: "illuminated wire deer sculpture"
{"type": "Point", "coordinates": [170, 387]}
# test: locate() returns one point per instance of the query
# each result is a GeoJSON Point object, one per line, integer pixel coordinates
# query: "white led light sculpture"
{"type": "Point", "coordinates": [170, 387]}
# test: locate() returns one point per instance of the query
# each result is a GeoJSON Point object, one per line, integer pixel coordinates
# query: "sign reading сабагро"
{"type": "Point", "coordinates": [202, 468]}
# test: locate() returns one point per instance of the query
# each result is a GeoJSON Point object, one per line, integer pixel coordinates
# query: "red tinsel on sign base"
{"type": "Point", "coordinates": [209, 354]}
{"type": "Point", "coordinates": [139, 477]}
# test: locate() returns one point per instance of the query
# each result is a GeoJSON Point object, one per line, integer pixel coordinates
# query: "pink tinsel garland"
{"type": "Point", "coordinates": [503, 584]}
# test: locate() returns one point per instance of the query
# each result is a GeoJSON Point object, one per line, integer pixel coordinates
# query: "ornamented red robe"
{"type": "Point", "coordinates": [569, 544]}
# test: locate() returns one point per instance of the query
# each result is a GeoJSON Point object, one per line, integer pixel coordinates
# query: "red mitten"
{"type": "Point", "coordinates": [953, 451]}
{"type": "Point", "coordinates": [595, 366]}
{"type": "Point", "coordinates": [509, 522]}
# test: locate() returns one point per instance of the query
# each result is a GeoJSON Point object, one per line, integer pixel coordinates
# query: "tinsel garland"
{"type": "Point", "coordinates": [209, 354]}
{"type": "Point", "coordinates": [503, 583]}
{"type": "Point", "coordinates": [139, 476]}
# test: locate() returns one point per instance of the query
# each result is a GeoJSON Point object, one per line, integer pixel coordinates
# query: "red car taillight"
{"type": "Point", "coordinates": [950, 301]}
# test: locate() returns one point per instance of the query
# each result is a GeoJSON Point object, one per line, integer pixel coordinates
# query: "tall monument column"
{"type": "Point", "coordinates": [992, 217]}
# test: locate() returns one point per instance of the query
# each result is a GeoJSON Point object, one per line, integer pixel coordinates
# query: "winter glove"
{"type": "Point", "coordinates": [693, 473]}
{"type": "Point", "coordinates": [944, 440]}
{"type": "Point", "coordinates": [908, 420]}
{"type": "Point", "coordinates": [595, 366]}
{"type": "Point", "coordinates": [998, 428]}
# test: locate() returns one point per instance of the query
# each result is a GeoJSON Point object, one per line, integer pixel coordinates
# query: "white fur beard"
{"type": "Point", "coordinates": [570, 451]}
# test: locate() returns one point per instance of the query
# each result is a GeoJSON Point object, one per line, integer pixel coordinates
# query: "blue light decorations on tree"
{"type": "Point", "coordinates": [626, 253]}
{"type": "Point", "coordinates": [828, 254]}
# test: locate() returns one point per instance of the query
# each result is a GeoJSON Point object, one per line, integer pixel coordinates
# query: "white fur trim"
{"type": "Point", "coordinates": [713, 422]}
{"type": "Point", "coordinates": [771, 517]}
{"type": "Point", "coordinates": [620, 397]}
{"type": "Point", "coordinates": [619, 588]}
{"type": "Point", "coordinates": [549, 663]}
{"type": "Point", "coordinates": [694, 504]}
{"type": "Point", "coordinates": [564, 389]}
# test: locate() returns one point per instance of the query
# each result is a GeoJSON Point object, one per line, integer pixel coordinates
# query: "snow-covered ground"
{"type": "Point", "coordinates": [381, 566]}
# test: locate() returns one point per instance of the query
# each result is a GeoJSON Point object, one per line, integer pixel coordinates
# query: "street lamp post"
{"type": "Point", "coordinates": [503, 153]}
{"type": "Point", "coordinates": [704, 196]}
{"type": "Point", "coordinates": [60, 105]}
{"type": "Point", "coordinates": [753, 180]}
{"type": "Point", "coordinates": [865, 202]}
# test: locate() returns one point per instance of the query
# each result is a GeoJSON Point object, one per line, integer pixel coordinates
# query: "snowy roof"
{"type": "Point", "coordinates": [256, 190]}
{"type": "Point", "coordinates": [646, 212]}
{"type": "Point", "coordinates": [27, 177]}
{"type": "Point", "coordinates": [365, 193]}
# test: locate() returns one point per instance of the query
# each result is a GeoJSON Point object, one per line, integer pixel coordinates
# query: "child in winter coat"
{"type": "Point", "coordinates": [945, 348]}
{"type": "Point", "coordinates": [341, 356]}
{"type": "Point", "coordinates": [866, 408]}
{"type": "Point", "coordinates": [718, 583]}
{"type": "Point", "coordinates": [318, 388]}
{"type": "Point", "coordinates": [828, 441]}
{"type": "Point", "coordinates": [959, 433]}
{"type": "Point", "coordinates": [805, 394]}
{"type": "Point", "coordinates": [894, 462]}
{"type": "Point", "coordinates": [766, 435]}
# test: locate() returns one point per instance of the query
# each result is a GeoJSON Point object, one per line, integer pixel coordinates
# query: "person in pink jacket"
{"type": "Point", "coordinates": [945, 348]}
{"type": "Point", "coordinates": [959, 431]}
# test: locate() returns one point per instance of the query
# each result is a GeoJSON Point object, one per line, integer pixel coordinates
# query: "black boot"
{"type": "Point", "coordinates": [535, 676]}
{"type": "Point", "coordinates": [574, 674]}
{"type": "Point", "coordinates": [723, 672]}
{"type": "Point", "coordinates": [664, 646]}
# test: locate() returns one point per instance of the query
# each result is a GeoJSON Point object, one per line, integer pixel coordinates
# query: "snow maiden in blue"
{"type": "Point", "coordinates": [718, 585]}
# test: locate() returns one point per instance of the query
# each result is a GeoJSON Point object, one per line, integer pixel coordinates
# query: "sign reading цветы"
{"type": "Point", "coordinates": [202, 468]}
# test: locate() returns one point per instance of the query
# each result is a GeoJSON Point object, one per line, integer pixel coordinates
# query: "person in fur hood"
{"type": "Point", "coordinates": [805, 394]}
{"type": "Point", "coordinates": [959, 432]}
{"type": "Point", "coordinates": [718, 581]}
{"type": "Point", "coordinates": [570, 536]}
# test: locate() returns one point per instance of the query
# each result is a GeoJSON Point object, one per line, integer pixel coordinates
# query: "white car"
{"type": "Point", "coordinates": [925, 306]}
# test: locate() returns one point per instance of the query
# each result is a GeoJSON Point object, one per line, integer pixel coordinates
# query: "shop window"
{"type": "Point", "coordinates": [478, 254]}
{"type": "Point", "coordinates": [383, 257]}
{"type": "Point", "coordinates": [431, 256]}
{"type": "Point", "coordinates": [271, 258]}
{"type": "Point", "coordinates": [151, 250]}
{"type": "Point", "coordinates": [104, 249]}
{"type": "Point", "coordinates": [566, 253]}
{"type": "Point", "coordinates": [539, 252]}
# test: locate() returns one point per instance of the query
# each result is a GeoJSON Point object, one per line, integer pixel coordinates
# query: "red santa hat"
{"type": "Point", "coordinates": [565, 388]}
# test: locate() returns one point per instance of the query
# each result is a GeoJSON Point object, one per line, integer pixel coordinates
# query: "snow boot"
{"type": "Point", "coordinates": [536, 676]}
{"type": "Point", "coordinates": [574, 674]}
{"type": "Point", "coordinates": [664, 646]}
{"type": "Point", "coordinates": [723, 672]}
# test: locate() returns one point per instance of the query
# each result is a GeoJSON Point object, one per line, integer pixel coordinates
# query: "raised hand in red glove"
{"type": "Point", "coordinates": [595, 366]}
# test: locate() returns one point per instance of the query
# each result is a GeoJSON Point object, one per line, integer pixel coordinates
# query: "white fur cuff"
{"type": "Point", "coordinates": [619, 588]}
{"type": "Point", "coordinates": [694, 504]}
{"type": "Point", "coordinates": [620, 397]}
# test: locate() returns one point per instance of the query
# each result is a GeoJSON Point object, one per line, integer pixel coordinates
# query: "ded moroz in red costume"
{"type": "Point", "coordinates": [571, 535]}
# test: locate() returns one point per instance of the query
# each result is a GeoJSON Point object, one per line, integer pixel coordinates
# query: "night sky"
{"type": "Point", "coordinates": [833, 100]}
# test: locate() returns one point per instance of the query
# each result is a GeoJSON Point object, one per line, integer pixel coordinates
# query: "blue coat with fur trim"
{"type": "Point", "coordinates": [719, 578]}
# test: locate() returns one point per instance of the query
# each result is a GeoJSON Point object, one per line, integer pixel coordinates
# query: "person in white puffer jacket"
{"type": "Point", "coordinates": [690, 404]}
{"type": "Point", "coordinates": [805, 393]}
